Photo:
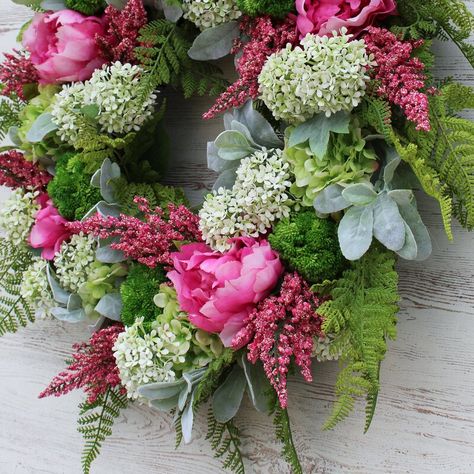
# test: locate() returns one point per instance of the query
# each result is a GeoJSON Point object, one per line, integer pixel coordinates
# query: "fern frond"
{"type": "Point", "coordinates": [362, 310]}
{"type": "Point", "coordinates": [95, 427]}
{"type": "Point", "coordinates": [10, 108]}
{"type": "Point", "coordinates": [282, 425]}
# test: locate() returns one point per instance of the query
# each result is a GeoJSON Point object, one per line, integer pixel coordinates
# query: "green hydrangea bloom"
{"type": "Point", "coordinates": [309, 245]}
{"type": "Point", "coordinates": [70, 189]}
{"type": "Point", "coordinates": [87, 7]}
{"type": "Point", "coordinates": [35, 107]}
{"type": "Point", "coordinates": [348, 160]}
{"type": "Point", "coordinates": [138, 290]}
{"type": "Point", "coordinates": [275, 8]}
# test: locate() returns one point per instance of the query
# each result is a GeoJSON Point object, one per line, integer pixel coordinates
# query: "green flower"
{"type": "Point", "coordinates": [348, 160]}
{"type": "Point", "coordinates": [208, 13]}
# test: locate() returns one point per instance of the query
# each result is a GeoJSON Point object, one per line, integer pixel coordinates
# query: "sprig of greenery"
{"type": "Point", "coordinates": [10, 107]}
{"type": "Point", "coordinates": [281, 421]}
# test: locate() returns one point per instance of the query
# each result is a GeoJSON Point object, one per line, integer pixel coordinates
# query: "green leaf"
{"type": "Point", "coordinates": [359, 194]}
{"type": "Point", "coordinates": [90, 111]}
{"type": "Point", "coordinates": [232, 145]}
{"type": "Point", "coordinates": [331, 200]}
{"type": "Point", "coordinates": [389, 227]}
{"type": "Point", "coordinates": [110, 306]}
{"type": "Point", "coordinates": [41, 127]}
{"type": "Point", "coordinates": [228, 397]}
{"type": "Point", "coordinates": [355, 232]}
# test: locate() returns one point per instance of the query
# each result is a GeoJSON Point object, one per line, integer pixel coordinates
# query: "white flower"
{"type": "Point", "coordinates": [17, 215]}
{"type": "Point", "coordinates": [324, 74]}
{"type": "Point", "coordinates": [74, 260]}
{"type": "Point", "coordinates": [208, 13]}
{"type": "Point", "coordinates": [258, 198]}
{"type": "Point", "coordinates": [114, 91]}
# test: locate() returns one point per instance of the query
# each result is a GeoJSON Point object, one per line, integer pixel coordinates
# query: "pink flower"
{"type": "Point", "coordinates": [49, 230]}
{"type": "Point", "coordinates": [219, 291]}
{"type": "Point", "coordinates": [63, 47]}
{"type": "Point", "coordinates": [322, 17]}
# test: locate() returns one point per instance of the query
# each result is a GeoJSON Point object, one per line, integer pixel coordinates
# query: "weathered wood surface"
{"type": "Point", "coordinates": [425, 416]}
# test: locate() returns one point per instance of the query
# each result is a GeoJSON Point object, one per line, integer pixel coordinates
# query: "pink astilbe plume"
{"type": "Point", "coordinates": [16, 71]}
{"type": "Point", "coordinates": [401, 77]}
{"type": "Point", "coordinates": [92, 369]}
{"type": "Point", "coordinates": [282, 327]}
{"type": "Point", "coordinates": [150, 241]}
{"type": "Point", "coordinates": [121, 31]}
{"type": "Point", "coordinates": [265, 37]}
{"type": "Point", "coordinates": [16, 172]}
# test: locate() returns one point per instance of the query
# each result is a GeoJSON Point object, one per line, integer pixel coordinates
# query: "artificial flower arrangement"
{"type": "Point", "coordinates": [334, 119]}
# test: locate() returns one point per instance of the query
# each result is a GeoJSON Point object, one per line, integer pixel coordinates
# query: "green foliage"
{"type": "Point", "coordinates": [362, 312]}
{"type": "Point", "coordinates": [137, 291]}
{"type": "Point", "coordinates": [275, 8]}
{"type": "Point", "coordinates": [70, 189]}
{"type": "Point", "coordinates": [14, 309]}
{"type": "Point", "coordinates": [444, 19]}
{"type": "Point", "coordinates": [166, 61]}
{"type": "Point", "coordinates": [225, 442]}
{"type": "Point", "coordinates": [309, 245]}
{"type": "Point", "coordinates": [281, 421]}
{"type": "Point", "coordinates": [95, 423]}
{"type": "Point", "coordinates": [212, 377]}
{"type": "Point", "coordinates": [10, 108]}
{"type": "Point", "coordinates": [87, 7]}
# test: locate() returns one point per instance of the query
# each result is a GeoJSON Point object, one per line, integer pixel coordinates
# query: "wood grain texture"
{"type": "Point", "coordinates": [425, 416]}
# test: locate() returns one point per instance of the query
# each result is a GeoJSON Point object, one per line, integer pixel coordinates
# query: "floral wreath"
{"type": "Point", "coordinates": [334, 119]}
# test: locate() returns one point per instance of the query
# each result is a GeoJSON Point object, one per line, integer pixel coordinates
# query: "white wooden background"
{"type": "Point", "coordinates": [425, 416]}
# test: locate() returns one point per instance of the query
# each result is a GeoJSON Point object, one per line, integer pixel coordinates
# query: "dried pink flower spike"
{"type": "Point", "coordinates": [17, 71]}
{"type": "Point", "coordinates": [16, 172]}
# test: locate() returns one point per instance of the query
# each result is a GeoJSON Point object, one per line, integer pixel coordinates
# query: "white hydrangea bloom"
{"type": "Point", "coordinates": [74, 260]}
{"type": "Point", "coordinates": [324, 74]}
{"type": "Point", "coordinates": [144, 358]}
{"type": "Point", "coordinates": [35, 288]}
{"type": "Point", "coordinates": [258, 198]}
{"type": "Point", "coordinates": [17, 215]}
{"type": "Point", "coordinates": [323, 350]}
{"type": "Point", "coordinates": [114, 90]}
{"type": "Point", "coordinates": [208, 13]}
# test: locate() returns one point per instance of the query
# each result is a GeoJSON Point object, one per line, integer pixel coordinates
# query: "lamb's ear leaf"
{"type": "Point", "coordinates": [360, 194]}
{"type": "Point", "coordinates": [228, 397]}
{"type": "Point", "coordinates": [409, 251]}
{"type": "Point", "coordinates": [389, 227]}
{"type": "Point", "coordinates": [161, 390]}
{"type": "Point", "coordinates": [330, 200]}
{"type": "Point", "coordinates": [110, 306]}
{"type": "Point", "coordinates": [233, 145]}
{"type": "Point", "coordinates": [258, 386]}
{"type": "Point", "coordinates": [172, 11]}
{"type": "Point", "coordinates": [420, 232]}
{"type": "Point", "coordinates": [187, 420]}
{"type": "Point", "coordinates": [59, 294]}
{"type": "Point", "coordinates": [165, 404]}
{"type": "Point", "coordinates": [63, 314]}
{"type": "Point", "coordinates": [107, 254]}
{"type": "Point", "coordinates": [41, 127]}
{"type": "Point", "coordinates": [355, 231]}
{"type": "Point", "coordinates": [391, 164]}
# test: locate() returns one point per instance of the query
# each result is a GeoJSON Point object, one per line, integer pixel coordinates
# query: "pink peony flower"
{"type": "Point", "coordinates": [220, 290]}
{"type": "Point", "coordinates": [63, 47]}
{"type": "Point", "coordinates": [322, 17]}
{"type": "Point", "coordinates": [49, 230]}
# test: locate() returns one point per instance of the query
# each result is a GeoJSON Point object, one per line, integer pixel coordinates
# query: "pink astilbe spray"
{"type": "Point", "coordinates": [16, 172]}
{"type": "Point", "coordinates": [400, 76]}
{"type": "Point", "coordinates": [16, 71]}
{"type": "Point", "coordinates": [282, 327]}
{"type": "Point", "coordinates": [122, 31]}
{"type": "Point", "coordinates": [92, 369]}
{"type": "Point", "coordinates": [150, 241]}
{"type": "Point", "coordinates": [265, 37]}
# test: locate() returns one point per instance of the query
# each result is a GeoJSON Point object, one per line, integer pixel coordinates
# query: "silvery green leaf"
{"type": "Point", "coordinates": [330, 199]}
{"type": "Point", "coordinates": [359, 194]}
{"type": "Point", "coordinates": [228, 397]}
{"type": "Point", "coordinates": [90, 212]}
{"type": "Point", "coordinates": [182, 399]}
{"type": "Point", "coordinates": [226, 179]}
{"type": "Point", "coordinates": [108, 172]}
{"type": "Point", "coordinates": [64, 314]}
{"type": "Point", "coordinates": [109, 255]}
{"type": "Point", "coordinates": [391, 164]}
{"type": "Point", "coordinates": [106, 209]}
{"type": "Point", "coordinates": [110, 306]}
{"type": "Point", "coordinates": [232, 145]}
{"type": "Point", "coordinates": [171, 11]}
{"type": "Point", "coordinates": [161, 390]}
{"type": "Point", "coordinates": [53, 5]}
{"type": "Point", "coordinates": [215, 42]}
{"type": "Point", "coordinates": [317, 131]}
{"type": "Point", "coordinates": [389, 227]}
{"type": "Point", "coordinates": [97, 326]}
{"type": "Point", "coordinates": [409, 250]}
{"type": "Point", "coordinates": [41, 127]}
{"type": "Point", "coordinates": [240, 127]}
{"type": "Point", "coordinates": [13, 136]}
{"type": "Point", "coordinates": [214, 161]}
{"type": "Point", "coordinates": [59, 294]}
{"type": "Point", "coordinates": [402, 197]}
{"type": "Point", "coordinates": [74, 302]}
{"type": "Point", "coordinates": [420, 232]}
{"type": "Point", "coordinates": [95, 180]}
{"type": "Point", "coordinates": [355, 232]}
{"type": "Point", "coordinates": [258, 386]}
{"type": "Point", "coordinates": [166, 404]}
{"type": "Point", "coordinates": [187, 420]}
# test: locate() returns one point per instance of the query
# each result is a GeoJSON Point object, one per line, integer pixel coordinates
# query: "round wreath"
{"type": "Point", "coordinates": [334, 119]}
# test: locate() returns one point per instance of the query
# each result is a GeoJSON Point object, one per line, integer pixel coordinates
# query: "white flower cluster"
{"type": "Point", "coordinates": [35, 288]}
{"type": "Point", "coordinates": [258, 198]}
{"type": "Point", "coordinates": [114, 91]}
{"type": "Point", "coordinates": [74, 260]}
{"type": "Point", "coordinates": [17, 216]}
{"type": "Point", "coordinates": [326, 74]}
{"type": "Point", "coordinates": [208, 13]}
{"type": "Point", "coordinates": [323, 349]}
{"type": "Point", "coordinates": [144, 358]}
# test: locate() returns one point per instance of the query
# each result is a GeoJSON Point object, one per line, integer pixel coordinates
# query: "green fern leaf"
{"type": "Point", "coordinates": [281, 421]}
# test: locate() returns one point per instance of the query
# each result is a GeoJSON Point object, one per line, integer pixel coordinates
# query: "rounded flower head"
{"type": "Point", "coordinates": [62, 45]}
{"type": "Point", "coordinates": [218, 291]}
{"type": "Point", "coordinates": [208, 13]}
{"type": "Point", "coordinates": [322, 17]}
{"type": "Point", "coordinates": [322, 75]}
